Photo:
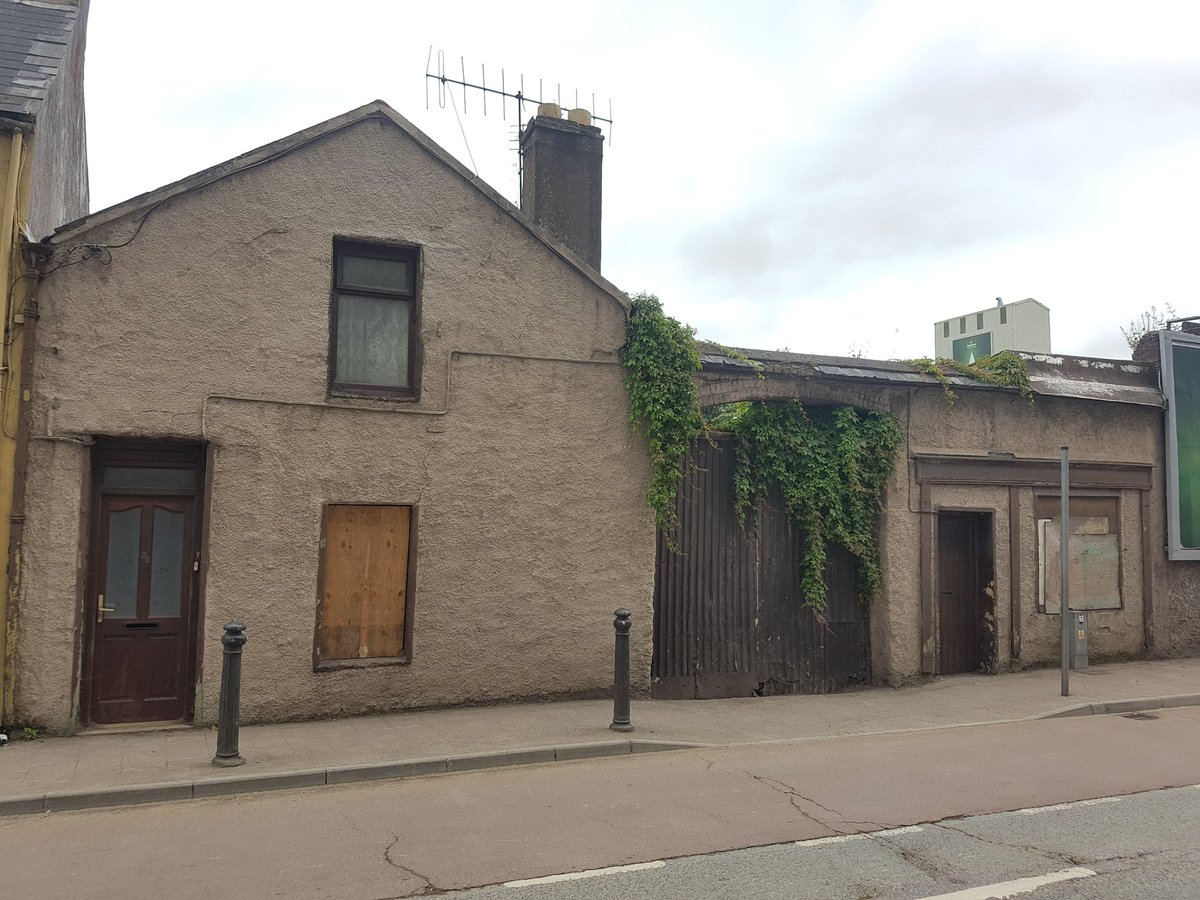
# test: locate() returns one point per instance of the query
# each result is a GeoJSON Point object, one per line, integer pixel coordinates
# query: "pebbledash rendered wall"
{"type": "Point", "coordinates": [212, 325]}
{"type": "Point", "coordinates": [989, 427]}
{"type": "Point", "coordinates": [979, 423]}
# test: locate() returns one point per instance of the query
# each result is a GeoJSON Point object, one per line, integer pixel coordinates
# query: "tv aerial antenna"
{"type": "Point", "coordinates": [449, 86]}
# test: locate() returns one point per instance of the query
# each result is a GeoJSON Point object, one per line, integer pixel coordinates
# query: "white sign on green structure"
{"type": "Point", "coordinates": [970, 350]}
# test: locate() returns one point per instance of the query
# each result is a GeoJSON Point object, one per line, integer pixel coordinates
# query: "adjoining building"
{"type": "Point", "coordinates": [968, 533]}
{"type": "Point", "coordinates": [1023, 325]}
{"type": "Point", "coordinates": [43, 183]}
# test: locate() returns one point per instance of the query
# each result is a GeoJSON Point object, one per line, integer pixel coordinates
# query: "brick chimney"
{"type": "Point", "coordinates": [561, 187]}
{"type": "Point", "coordinates": [1147, 350]}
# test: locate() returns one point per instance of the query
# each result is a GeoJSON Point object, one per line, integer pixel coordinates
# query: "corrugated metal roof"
{"type": "Point", "coordinates": [913, 377]}
{"type": "Point", "coordinates": [34, 38]}
{"type": "Point", "coordinates": [1085, 378]}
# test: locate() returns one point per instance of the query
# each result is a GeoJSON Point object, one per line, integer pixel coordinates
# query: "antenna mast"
{"type": "Point", "coordinates": [447, 83]}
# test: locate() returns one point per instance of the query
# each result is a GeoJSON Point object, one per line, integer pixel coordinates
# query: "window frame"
{"type": "Point", "coordinates": [410, 253]}
{"type": "Point", "coordinates": [410, 582]}
{"type": "Point", "coordinates": [1084, 505]}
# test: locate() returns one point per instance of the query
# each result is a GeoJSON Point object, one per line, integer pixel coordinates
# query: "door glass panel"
{"type": "Point", "coordinates": [124, 544]}
{"type": "Point", "coordinates": [166, 573]}
{"type": "Point", "coordinates": [131, 477]}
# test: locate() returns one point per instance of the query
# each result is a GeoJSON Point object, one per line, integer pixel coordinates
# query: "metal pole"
{"type": "Point", "coordinates": [231, 695]}
{"type": "Point", "coordinates": [620, 720]}
{"type": "Point", "coordinates": [1065, 558]}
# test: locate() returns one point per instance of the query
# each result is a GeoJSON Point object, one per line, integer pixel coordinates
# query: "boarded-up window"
{"type": "Point", "coordinates": [366, 585]}
{"type": "Point", "coordinates": [1095, 553]}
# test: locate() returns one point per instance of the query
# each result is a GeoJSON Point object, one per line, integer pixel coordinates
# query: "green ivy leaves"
{"type": "Point", "coordinates": [1004, 369]}
{"type": "Point", "coordinates": [830, 465]}
{"type": "Point", "coordinates": [660, 358]}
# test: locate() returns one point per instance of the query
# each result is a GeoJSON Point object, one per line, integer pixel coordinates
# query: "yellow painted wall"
{"type": "Point", "coordinates": [16, 154]}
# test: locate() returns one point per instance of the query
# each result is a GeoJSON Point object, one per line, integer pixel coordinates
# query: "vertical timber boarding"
{"type": "Point", "coordinates": [729, 617]}
{"type": "Point", "coordinates": [966, 614]}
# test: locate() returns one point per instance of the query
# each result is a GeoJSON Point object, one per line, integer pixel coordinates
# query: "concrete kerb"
{"type": "Point", "coordinates": [56, 801]}
{"type": "Point", "coordinates": [1122, 706]}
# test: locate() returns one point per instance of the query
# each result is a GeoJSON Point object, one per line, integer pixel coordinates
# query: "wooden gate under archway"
{"type": "Point", "coordinates": [729, 616]}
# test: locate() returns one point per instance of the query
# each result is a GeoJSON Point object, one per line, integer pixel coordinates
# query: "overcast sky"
{"type": "Point", "coordinates": [827, 177]}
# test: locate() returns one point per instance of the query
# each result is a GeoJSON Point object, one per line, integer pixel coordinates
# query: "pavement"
{"type": "Point", "coordinates": [104, 767]}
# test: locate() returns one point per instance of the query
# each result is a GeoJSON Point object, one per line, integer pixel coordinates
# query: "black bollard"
{"type": "Point", "coordinates": [620, 720]}
{"type": "Point", "coordinates": [231, 695]}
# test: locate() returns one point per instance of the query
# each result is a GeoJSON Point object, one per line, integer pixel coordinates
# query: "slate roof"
{"type": "Point", "coordinates": [34, 38]}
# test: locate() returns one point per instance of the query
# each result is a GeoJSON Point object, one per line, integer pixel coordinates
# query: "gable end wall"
{"type": "Point", "coordinates": [212, 326]}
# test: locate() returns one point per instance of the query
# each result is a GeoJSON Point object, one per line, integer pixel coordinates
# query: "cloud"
{"type": "Point", "coordinates": [963, 150]}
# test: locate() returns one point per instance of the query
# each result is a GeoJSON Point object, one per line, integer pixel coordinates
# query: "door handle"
{"type": "Point", "coordinates": [101, 609]}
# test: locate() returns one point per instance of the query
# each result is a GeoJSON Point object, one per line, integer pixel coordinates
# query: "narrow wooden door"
{"type": "Point", "coordinates": [140, 608]}
{"type": "Point", "coordinates": [960, 593]}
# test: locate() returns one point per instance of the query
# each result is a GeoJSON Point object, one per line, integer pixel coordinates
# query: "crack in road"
{"type": "Point", "coordinates": [793, 796]}
{"type": "Point", "coordinates": [924, 866]}
{"type": "Point", "coordinates": [430, 889]}
{"type": "Point", "coordinates": [1009, 845]}
{"type": "Point", "coordinates": [1135, 857]}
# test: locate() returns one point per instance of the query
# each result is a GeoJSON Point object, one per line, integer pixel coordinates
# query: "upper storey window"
{"type": "Point", "coordinates": [373, 320]}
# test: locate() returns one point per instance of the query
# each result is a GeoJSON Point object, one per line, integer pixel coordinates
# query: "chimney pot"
{"type": "Point", "coordinates": [580, 116]}
{"type": "Point", "coordinates": [550, 110]}
{"type": "Point", "coordinates": [560, 188]}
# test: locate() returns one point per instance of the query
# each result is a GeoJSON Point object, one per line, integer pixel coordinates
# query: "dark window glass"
{"type": "Point", "coordinates": [381, 274]}
{"type": "Point", "coordinates": [962, 325]}
{"type": "Point", "coordinates": [1003, 316]}
{"type": "Point", "coordinates": [978, 320]}
{"type": "Point", "coordinates": [372, 341]}
{"type": "Point", "coordinates": [946, 328]}
{"type": "Point", "coordinates": [374, 320]}
{"type": "Point", "coordinates": [132, 477]}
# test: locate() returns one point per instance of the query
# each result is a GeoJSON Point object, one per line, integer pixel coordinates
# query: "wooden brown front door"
{"type": "Point", "coordinates": [142, 596]}
{"type": "Point", "coordinates": [965, 638]}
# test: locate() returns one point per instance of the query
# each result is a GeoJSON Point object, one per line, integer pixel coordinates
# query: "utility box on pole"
{"type": "Point", "coordinates": [1079, 640]}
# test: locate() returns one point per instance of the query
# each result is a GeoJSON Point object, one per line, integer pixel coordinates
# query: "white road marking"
{"type": "Point", "coordinates": [587, 873]}
{"type": "Point", "coordinates": [1017, 886]}
{"type": "Point", "coordinates": [1034, 810]}
{"type": "Point", "coordinates": [862, 835]}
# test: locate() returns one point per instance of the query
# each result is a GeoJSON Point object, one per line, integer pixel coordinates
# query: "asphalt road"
{"type": "Point", "coordinates": [428, 835]}
{"type": "Point", "coordinates": [1135, 846]}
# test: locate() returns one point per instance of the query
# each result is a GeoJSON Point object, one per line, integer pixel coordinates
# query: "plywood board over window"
{"type": "Point", "coordinates": [1095, 553]}
{"type": "Point", "coordinates": [364, 612]}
